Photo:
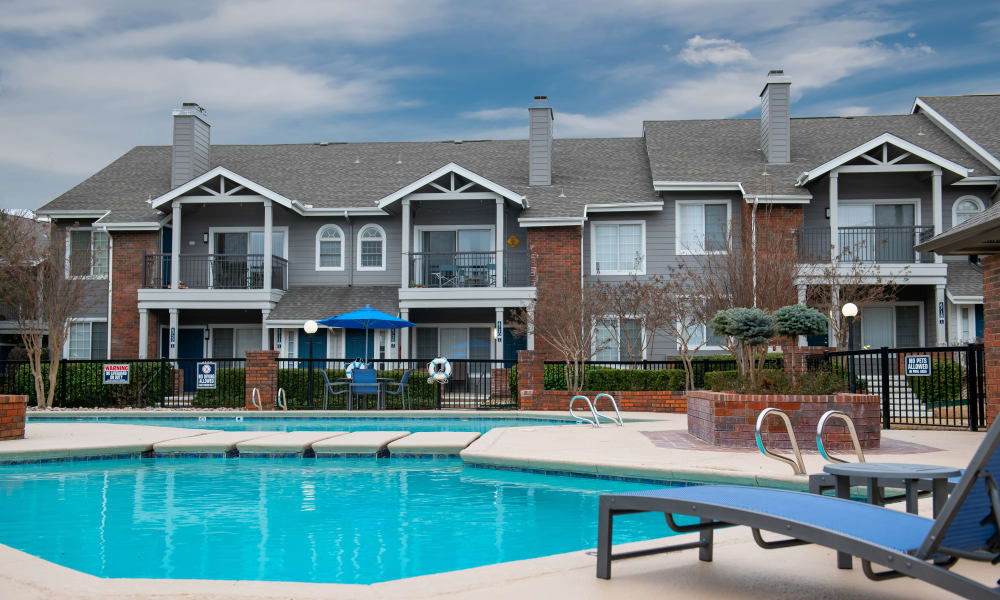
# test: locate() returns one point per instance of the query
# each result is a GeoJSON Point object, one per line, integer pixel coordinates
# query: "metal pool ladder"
{"type": "Point", "coordinates": [837, 414]}
{"type": "Point", "coordinates": [798, 466]}
{"type": "Point", "coordinates": [618, 416]}
{"type": "Point", "coordinates": [282, 400]}
{"type": "Point", "coordinates": [596, 421]}
{"type": "Point", "coordinates": [255, 399]}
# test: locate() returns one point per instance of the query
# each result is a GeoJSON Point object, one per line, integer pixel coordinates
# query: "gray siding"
{"type": "Point", "coordinates": [540, 146]}
{"type": "Point", "coordinates": [94, 300]}
{"type": "Point", "coordinates": [775, 125]}
{"type": "Point", "coordinates": [191, 143]}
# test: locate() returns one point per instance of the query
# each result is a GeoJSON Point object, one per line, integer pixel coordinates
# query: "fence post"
{"type": "Point", "coordinates": [972, 387]}
{"type": "Point", "coordinates": [884, 355]}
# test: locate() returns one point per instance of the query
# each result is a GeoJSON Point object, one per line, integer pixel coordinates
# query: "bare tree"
{"type": "Point", "coordinates": [686, 314]}
{"type": "Point", "coordinates": [638, 303]}
{"type": "Point", "coordinates": [34, 282]}
{"type": "Point", "coordinates": [562, 321]}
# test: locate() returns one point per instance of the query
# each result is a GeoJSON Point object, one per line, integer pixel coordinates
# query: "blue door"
{"type": "Point", "coordinates": [354, 344]}
{"type": "Point", "coordinates": [166, 246]}
{"type": "Point", "coordinates": [979, 322]}
{"type": "Point", "coordinates": [190, 344]}
{"type": "Point", "coordinates": [318, 344]}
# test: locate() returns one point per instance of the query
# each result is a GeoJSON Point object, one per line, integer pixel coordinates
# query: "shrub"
{"type": "Point", "coordinates": [84, 385]}
{"type": "Point", "coordinates": [618, 380]}
{"type": "Point", "coordinates": [776, 381]}
{"type": "Point", "coordinates": [230, 390]}
{"type": "Point", "coordinates": [512, 382]}
{"type": "Point", "coordinates": [722, 381]}
{"type": "Point", "coordinates": [799, 319]}
{"type": "Point", "coordinates": [945, 384]}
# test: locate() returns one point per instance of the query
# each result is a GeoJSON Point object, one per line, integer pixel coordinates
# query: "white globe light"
{"type": "Point", "coordinates": [310, 327]}
{"type": "Point", "coordinates": [850, 310]}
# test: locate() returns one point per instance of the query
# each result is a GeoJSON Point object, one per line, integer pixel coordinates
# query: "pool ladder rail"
{"type": "Point", "coordinates": [255, 399]}
{"type": "Point", "coordinates": [797, 464]}
{"type": "Point", "coordinates": [280, 402]}
{"type": "Point", "coordinates": [596, 420]}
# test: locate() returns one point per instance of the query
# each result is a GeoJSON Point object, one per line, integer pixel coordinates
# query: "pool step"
{"type": "Point", "coordinates": [219, 443]}
{"type": "Point", "coordinates": [433, 443]}
{"type": "Point", "coordinates": [358, 443]}
{"type": "Point", "coordinates": [286, 444]}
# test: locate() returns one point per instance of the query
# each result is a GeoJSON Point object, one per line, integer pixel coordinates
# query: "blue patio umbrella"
{"type": "Point", "coordinates": [366, 318]}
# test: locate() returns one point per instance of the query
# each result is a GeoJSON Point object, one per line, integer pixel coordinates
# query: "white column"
{"type": "Point", "coordinates": [404, 334]}
{"type": "Point", "coordinates": [499, 333]}
{"type": "Point", "coordinates": [939, 312]}
{"type": "Point", "coordinates": [263, 330]}
{"type": "Point", "coordinates": [268, 243]}
{"type": "Point", "coordinates": [802, 300]}
{"type": "Point", "coordinates": [835, 305]}
{"type": "Point", "coordinates": [938, 211]}
{"type": "Point", "coordinates": [834, 225]}
{"type": "Point", "coordinates": [172, 334]}
{"type": "Point", "coordinates": [175, 248]}
{"type": "Point", "coordinates": [406, 245]}
{"type": "Point", "coordinates": [499, 245]}
{"type": "Point", "coordinates": [143, 332]}
{"type": "Point", "coordinates": [531, 328]}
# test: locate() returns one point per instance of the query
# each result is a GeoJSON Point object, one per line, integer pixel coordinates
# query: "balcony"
{"type": "Point", "coordinates": [215, 272]}
{"type": "Point", "coordinates": [468, 270]}
{"type": "Point", "coordinates": [876, 245]}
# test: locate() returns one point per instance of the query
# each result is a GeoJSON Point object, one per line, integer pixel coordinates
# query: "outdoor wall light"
{"type": "Point", "coordinates": [204, 237]}
{"type": "Point", "coordinates": [827, 212]}
{"type": "Point", "coordinates": [310, 327]}
{"type": "Point", "coordinates": [850, 310]}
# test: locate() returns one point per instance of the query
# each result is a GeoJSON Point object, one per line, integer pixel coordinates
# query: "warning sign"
{"type": "Point", "coordinates": [116, 374]}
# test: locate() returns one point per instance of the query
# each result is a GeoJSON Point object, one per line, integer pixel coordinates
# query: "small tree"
{"type": "Point", "coordinates": [639, 301]}
{"type": "Point", "coordinates": [797, 319]}
{"type": "Point", "coordinates": [686, 312]}
{"type": "Point", "coordinates": [750, 329]}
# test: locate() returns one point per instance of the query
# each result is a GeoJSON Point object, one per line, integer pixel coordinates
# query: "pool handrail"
{"type": "Point", "coordinates": [798, 465]}
{"type": "Point", "coordinates": [255, 399]}
{"type": "Point", "coordinates": [282, 400]}
{"type": "Point", "coordinates": [594, 423]}
{"type": "Point", "coordinates": [617, 419]}
{"type": "Point", "coordinates": [830, 414]}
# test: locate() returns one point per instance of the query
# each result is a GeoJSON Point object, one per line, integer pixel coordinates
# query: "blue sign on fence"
{"type": "Point", "coordinates": [918, 365]}
{"type": "Point", "coordinates": [206, 376]}
{"type": "Point", "coordinates": [116, 374]}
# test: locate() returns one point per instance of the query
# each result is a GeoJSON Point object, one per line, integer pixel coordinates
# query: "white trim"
{"type": "Point", "coordinates": [213, 230]}
{"type": "Point", "coordinates": [698, 186]}
{"type": "Point", "coordinates": [623, 207]}
{"type": "Point", "coordinates": [954, 207]}
{"type": "Point", "coordinates": [680, 251]}
{"type": "Point", "coordinates": [197, 182]}
{"type": "Point", "coordinates": [343, 245]}
{"type": "Point", "coordinates": [418, 242]}
{"type": "Point", "coordinates": [68, 233]}
{"type": "Point", "coordinates": [136, 226]}
{"type": "Point", "coordinates": [642, 337]}
{"type": "Point", "coordinates": [107, 348]}
{"type": "Point", "coordinates": [963, 299]}
{"type": "Point", "coordinates": [979, 180]}
{"type": "Point", "coordinates": [778, 198]}
{"type": "Point", "coordinates": [84, 213]}
{"type": "Point", "coordinates": [529, 222]}
{"type": "Point", "coordinates": [955, 133]}
{"type": "Point", "coordinates": [593, 249]}
{"type": "Point", "coordinates": [451, 168]}
{"type": "Point", "coordinates": [704, 333]}
{"type": "Point", "coordinates": [897, 273]}
{"type": "Point", "coordinates": [385, 243]}
{"type": "Point", "coordinates": [889, 138]}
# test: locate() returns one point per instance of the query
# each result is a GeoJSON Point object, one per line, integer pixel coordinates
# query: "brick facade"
{"type": "Point", "coordinates": [12, 417]}
{"type": "Point", "coordinates": [555, 256]}
{"type": "Point", "coordinates": [262, 374]}
{"type": "Point", "coordinates": [127, 260]}
{"type": "Point", "coordinates": [991, 333]}
{"type": "Point", "coordinates": [728, 420]}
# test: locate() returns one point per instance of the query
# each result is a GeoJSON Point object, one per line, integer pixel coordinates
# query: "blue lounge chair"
{"type": "Point", "coordinates": [363, 383]}
{"type": "Point", "coordinates": [908, 545]}
{"type": "Point", "coordinates": [402, 389]}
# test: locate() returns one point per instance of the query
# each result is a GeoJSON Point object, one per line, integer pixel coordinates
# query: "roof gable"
{"type": "Point", "coordinates": [458, 170]}
{"type": "Point", "coordinates": [885, 138]}
{"type": "Point", "coordinates": [201, 180]}
{"type": "Point", "coordinates": [954, 131]}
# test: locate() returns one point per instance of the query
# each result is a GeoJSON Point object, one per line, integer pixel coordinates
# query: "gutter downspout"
{"type": "Point", "coordinates": [350, 236]}
{"type": "Point", "coordinates": [111, 271]}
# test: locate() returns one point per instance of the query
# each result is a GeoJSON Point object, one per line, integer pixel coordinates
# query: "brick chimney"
{"type": "Point", "coordinates": [775, 118]}
{"type": "Point", "coordinates": [540, 142]}
{"type": "Point", "coordinates": [191, 144]}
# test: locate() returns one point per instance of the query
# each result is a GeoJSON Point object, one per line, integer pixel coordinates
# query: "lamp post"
{"type": "Point", "coordinates": [310, 327]}
{"type": "Point", "coordinates": [850, 310]}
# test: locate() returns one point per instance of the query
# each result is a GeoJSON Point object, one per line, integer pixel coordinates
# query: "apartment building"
{"type": "Point", "coordinates": [202, 250]}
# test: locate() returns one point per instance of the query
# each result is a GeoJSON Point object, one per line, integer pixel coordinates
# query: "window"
{"type": "Point", "coordinates": [965, 208]}
{"type": "Point", "coordinates": [618, 248]}
{"type": "Point", "coordinates": [702, 227]}
{"type": "Point", "coordinates": [371, 248]}
{"type": "Point", "coordinates": [87, 253]}
{"type": "Point", "coordinates": [230, 342]}
{"type": "Point", "coordinates": [607, 340]}
{"type": "Point", "coordinates": [330, 248]}
{"type": "Point", "coordinates": [700, 333]}
{"type": "Point", "coordinates": [87, 340]}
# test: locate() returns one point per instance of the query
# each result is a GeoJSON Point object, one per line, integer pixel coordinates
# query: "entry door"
{"type": "Point", "coordinates": [878, 326]}
{"type": "Point", "coordinates": [318, 344]}
{"type": "Point", "coordinates": [354, 344]}
{"type": "Point", "coordinates": [191, 345]}
{"type": "Point", "coordinates": [856, 237]}
{"type": "Point", "coordinates": [895, 235]}
{"type": "Point", "coordinates": [440, 246]}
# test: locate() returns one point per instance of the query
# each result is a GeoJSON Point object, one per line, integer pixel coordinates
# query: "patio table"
{"type": "Point", "coordinates": [911, 476]}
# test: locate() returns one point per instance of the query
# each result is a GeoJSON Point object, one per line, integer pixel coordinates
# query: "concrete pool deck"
{"type": "Point", "coordinates": [655, 448]}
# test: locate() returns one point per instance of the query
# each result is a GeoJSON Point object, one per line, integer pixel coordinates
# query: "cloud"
{"type": "Point", "coordinates": [495, 114]}
{"type": "Point", "coordinates": [699, 50]}
{"type": "Point", "coordinates": [852, 111]}
{"type": "Point", "coordinates": [41, 17]}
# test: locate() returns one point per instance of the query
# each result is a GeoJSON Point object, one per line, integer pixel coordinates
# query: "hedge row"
{"type": "Point", "coordinates": [775, 381]}
{"type": "Point", "coordinates": [617, 380]}
{"type": "Point", "coordinates": [945, 385]}
{"type": "Point", "coordinates": [85, 387]}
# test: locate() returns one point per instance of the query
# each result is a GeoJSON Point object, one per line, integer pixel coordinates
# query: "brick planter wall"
{"type": "Point", "coordinates": [727, 419]}
{"type": "Point", "coordinates": [12, 417]}
{"type": "Point", "coordinates": [262, 373]}
{"type": "Point", "coordinates": [644, 401]}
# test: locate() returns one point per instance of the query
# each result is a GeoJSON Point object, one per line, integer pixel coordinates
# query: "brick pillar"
{"type": "Point", "coordinates": [128, 257]}
{"type": "Point", "coordinates": [991, 334]}
{"type": "Point", "coordinates": [262, 374]}
{"type": "Point", "coordinates": [177, 380]}
{"type": "Point", "coordinates": [12, 417]}
{"type": "Point", "coordinates": [555, 256]}
{"type": "Point", "coordinates": [530, 379]}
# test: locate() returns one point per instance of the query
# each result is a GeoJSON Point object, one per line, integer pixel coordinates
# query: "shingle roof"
{"type": "Point", "coordinates": [319, 302]}
{"type": "Point", "coordinates": [604, 170]}
{"type": "Point", "coordinates": [976, 115]}
{"type": "Point", "coordinates": [964, 279]}
{"type": "Point", "coordinates": [729, 149]}
{"type": "Point", "coordinates": [989, 219]}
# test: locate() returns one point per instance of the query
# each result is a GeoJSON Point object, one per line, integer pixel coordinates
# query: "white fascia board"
{"type": "Point", "coordinates": [698, 186]}
{"type": "Point", "coordinates": [956, 134]}
{"type": "Point", "coordinates": [913, 274]}
{"type": "Point", "coordinates": [963, 299]}
{"type": "Point", "coordinates": [551, 222]}
{"type": "Point", "coordinates": [200, 180]}
{"type": "Point", "coordinates": [979, 180]}
{"type": "Point", "coordinates": [137, 226]}
{"type": "Point", "coordinates": [296, 323]}
{"type": "Point", "coordinates": [451, 168]}
{"type": "Point", "coordinates": [465, 297]}
{"type": "Point", "coordinates": [73, 214]}
{"type": "Point", "coordinates": [623, 207]}
{"type": "Point", "coordinates": [203, 298]}
{"type": "Point", "coordinates": [355, 211]}
{"type": "Point", "coordinates": [899, 142]}
{"type": "Point", "coordinates": [778, 198]}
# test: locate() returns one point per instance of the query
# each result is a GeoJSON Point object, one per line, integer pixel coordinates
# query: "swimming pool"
{"type": "Point", "coordinates": [325, 423]}
{"type": "Point", "coordinates": [345, 521]}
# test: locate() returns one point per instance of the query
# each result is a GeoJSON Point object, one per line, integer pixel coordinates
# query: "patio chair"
{"type": "Point", "coordinates": [447, 275]}
{"type": "Point", "coordinates": [332, 389]}
{"type": "Point", "coordinates": [402, 389]}
{"type": "Point", "coordinates": [363, 383]}
{"type": "Point", "coordinates": [908, 545]}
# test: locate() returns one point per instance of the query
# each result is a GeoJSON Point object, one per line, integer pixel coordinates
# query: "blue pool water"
{"type": "Point", "coordinates": [326, 423]}
{"type": "Point", "coordinates": [346, 521]}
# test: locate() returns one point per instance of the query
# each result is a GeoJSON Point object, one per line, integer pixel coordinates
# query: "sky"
{"type": "Point", "coordinates": [83, 81]}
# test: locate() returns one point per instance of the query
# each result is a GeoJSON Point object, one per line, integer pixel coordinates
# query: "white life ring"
{"type": "Point", "coordinates": [357, 364]}
{"type": "Point", "coordinates": [439, 370]}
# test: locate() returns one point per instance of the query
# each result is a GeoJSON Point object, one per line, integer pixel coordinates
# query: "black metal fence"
{"type": "Point", "coordinates": [941, 386]}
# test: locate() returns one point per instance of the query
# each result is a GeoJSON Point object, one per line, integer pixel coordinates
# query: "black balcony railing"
{"type": "Point", "coordinates": [468, 269]}
{"type": "Point", "coordinates": [215, 271]}
{"type": "Point", "coordinates": [866, 244]}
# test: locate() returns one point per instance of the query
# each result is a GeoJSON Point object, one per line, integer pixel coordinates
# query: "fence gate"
{"type": "Point", "coordinates": [940, 386]}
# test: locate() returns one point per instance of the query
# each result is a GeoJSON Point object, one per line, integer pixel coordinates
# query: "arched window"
{"type": "Point", "coordinates": [965, 208]}
{"type": "Point", "coordinates": [330, 248]}
{"type": "Point", "coordinates": [371, 248]}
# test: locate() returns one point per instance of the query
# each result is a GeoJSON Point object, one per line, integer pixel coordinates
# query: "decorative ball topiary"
{"type": "Point", "coordinates": [748, 325]}
{"type": "Point", "coordinates": [799, 319]}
